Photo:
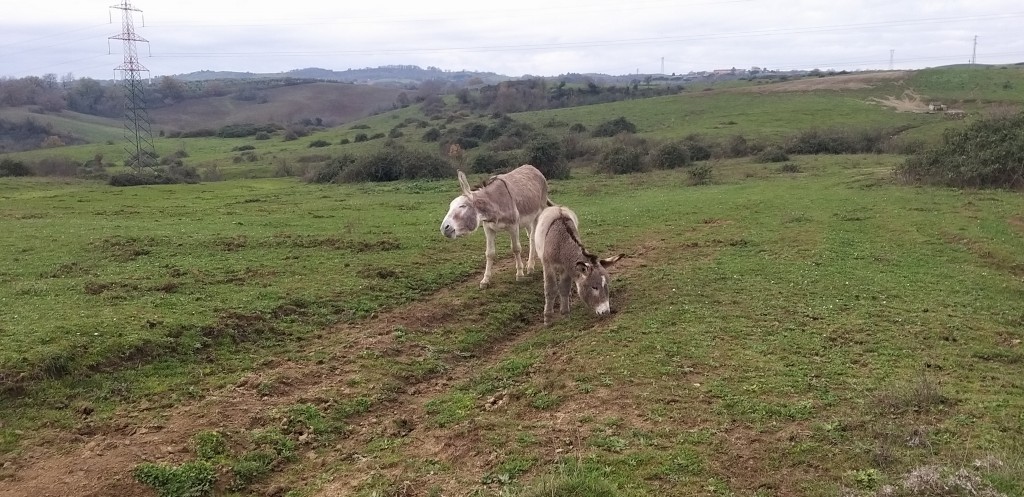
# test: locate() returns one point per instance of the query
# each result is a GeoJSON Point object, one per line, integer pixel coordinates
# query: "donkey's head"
{"type": "Point", "coordinates": [591, 279]}
{"type": "Point", "coordinates": [463, 216]}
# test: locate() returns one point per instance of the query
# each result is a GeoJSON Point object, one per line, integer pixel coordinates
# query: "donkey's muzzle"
{"type": "Point", "coordinates": [448, 231]}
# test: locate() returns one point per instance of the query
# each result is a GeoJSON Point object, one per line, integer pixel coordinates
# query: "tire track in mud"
{"type": "Point", "coordinates": [98, 461]}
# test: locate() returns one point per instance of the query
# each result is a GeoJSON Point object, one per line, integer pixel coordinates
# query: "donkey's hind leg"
{"type": "Point", "coordinates": [517, 250]}
{"type": "Point", "coordinates": [531, 261]}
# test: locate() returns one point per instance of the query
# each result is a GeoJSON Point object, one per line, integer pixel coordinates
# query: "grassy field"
{"type": "Point", "coordinates": [819, 332]}
{"type": "Point", "coordinates": [90, 128]}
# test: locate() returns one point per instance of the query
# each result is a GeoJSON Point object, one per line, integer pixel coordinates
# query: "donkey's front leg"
{"type": "Point", "coordinates": [489, 254]}
{"type": "Point", "coordinates": [517, 250]}
{"type": "Point", "coordinates": [564, 292]}
{"type": "Point", "coordinates": [550, 294]}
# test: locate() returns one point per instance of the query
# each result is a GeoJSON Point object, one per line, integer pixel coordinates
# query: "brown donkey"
{"type": "Point", "coordinates": [566, 261]}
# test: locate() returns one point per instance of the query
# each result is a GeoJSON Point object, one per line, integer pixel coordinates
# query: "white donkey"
{"type": "Point", "coordinates": [566, 261]}
{"type": "Point", "coordinates": [506, 202]}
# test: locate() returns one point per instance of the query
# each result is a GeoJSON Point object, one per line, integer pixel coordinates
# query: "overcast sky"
{"type": "Point", "coordinates": [538, 37]}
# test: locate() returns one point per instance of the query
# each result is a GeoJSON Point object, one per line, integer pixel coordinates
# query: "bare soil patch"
{"type": "Point", "coordinates": [856, 81]}
{"type": "Point", "coordinates": [97, 459]}
{"type": "Point", "coordinates": [907, 102]}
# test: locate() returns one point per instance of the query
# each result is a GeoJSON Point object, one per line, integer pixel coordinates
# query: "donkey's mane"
{"type": "Point", "coordinates": [572, 234]}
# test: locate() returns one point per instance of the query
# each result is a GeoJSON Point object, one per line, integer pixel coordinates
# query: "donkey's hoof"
{"type": "Point", "coordinates": [484, 284]}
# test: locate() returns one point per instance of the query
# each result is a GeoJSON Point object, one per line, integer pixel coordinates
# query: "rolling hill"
{"type": "Point", "coordinates": [334, 103]}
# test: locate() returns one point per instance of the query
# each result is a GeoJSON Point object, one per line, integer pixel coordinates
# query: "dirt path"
{"type": "Point", "coordinates": [99, 463]}
{"type": "Point", "coordinates": [853, 81]}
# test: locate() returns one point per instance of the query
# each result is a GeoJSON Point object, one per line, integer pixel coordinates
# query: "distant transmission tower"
{"type": "Point", "coordinates": [892, 52]}
{"type": "Point", "coordinates": [137, 126]}
{"type": "Point", "coordinates": [974, 51]}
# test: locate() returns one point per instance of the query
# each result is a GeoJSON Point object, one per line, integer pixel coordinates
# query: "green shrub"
{"type": "Point", "coordinates": [838, 141]}
{"type": "Point", "coordinates": [700, 175]}
{"type": "Point", "coordinates": [733, 146]}
{"type": "Point", "coordinates": [545, 153]}
{"type": "Point", "coordinates": [344, 141]}
{"type": "Point", "coordinates": [243, 148]}
{"type": "Point", "coordinates": [988, 153]}
{"type": "Point", "coordinates": [159, 176]}
{"type": "Point", "coordinates": [393, 163]}
{"type": "Point", "coordinates": [772, 154]}
{"type": "Point", "coordinates": [238, 130]}
{"type": "Point", "coordinates": [578, 128]}
{"type": "Point", "coordinates": [475, 131]}
{"type": "Point", "coordinates": [671, 156]}
{"type": "Point", "coordinates": [490, 162]}
{"type": "Point", "coordinates": [330, 171]}
{"type": "Point", "coordinates": [319, 143]}
{"type": "Point", "coordinates": [623, 159]}
{"type": "Point", "coordinates": [576, 146]}
{"type": "Point", "coordinates": [614, 127]}
{"type": "Point", "coordinates": [199, 133]}
{"type": "Point", "coordinates": [432, 135]}
{"type": "Point", "coordinates": [190, 479]}
{"type": "Point", "coordinates": [56, 166]}
{"type": "Point", "coordinates": [697, 146]}
{"type": "Point", "coordinates": [262, 135]}
{"type": "Point", "coordinates": [10, 167]}
{"type": "Point", "coordinates": [395, 133]}
{"type": "Point", "coordinates": [361, 137]}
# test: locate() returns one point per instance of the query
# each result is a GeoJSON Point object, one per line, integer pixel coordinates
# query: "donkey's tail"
{"type": "Point", "coordinates": [550, 203]}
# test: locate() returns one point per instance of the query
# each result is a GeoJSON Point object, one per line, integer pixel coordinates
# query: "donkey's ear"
{"type": "Point", "coordinates": [582, 267]}
{"type": "Point", "coordinates": [464, 184]}
{"type": "Point", "coordinates": [607, 262]}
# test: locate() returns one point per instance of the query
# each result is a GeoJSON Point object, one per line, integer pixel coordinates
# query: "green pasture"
{"type": "Point", "coordinates": [91, 128]}
{"type": "Point", "coordinates": [801, 333]}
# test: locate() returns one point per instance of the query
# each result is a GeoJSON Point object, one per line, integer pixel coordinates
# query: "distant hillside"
{"type": "Point", "coordinates": [384, 75]}
{"type": "Point", "coordinates": [333, 103]}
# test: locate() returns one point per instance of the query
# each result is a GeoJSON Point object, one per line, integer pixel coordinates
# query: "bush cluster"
{"type": "Point", "coordinates": [174, 173]}
{"type": "Point", "coordinates": [772, 154]}
{"type": "Point", "coordinates": [493, 162]}
{"type": "Point", "coordinates": [614, 127]}
{"type": "Point", "coordinates": [838, 141]}
{"type": "Point", "coordinates": [391, 163]}
{"type": "Point", "coordinates": [245, 129]}
{"type": "Point", "coordinates": [10, 167]}
{"type": "Point", "coordinates": [988, 153]}
{"type": "Point", "coordinates": [545, 153]}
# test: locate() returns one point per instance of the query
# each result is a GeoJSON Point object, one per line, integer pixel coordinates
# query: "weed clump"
{"type": "Point", "coordinates": [190, 479]}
